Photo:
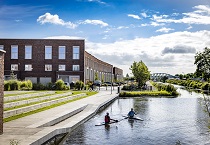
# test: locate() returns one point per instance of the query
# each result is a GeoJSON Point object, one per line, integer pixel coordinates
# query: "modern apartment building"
{"type": "Point", "coordinates": [46, 60]}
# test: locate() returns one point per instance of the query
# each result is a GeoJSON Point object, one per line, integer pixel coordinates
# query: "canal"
{"type": "Point", "coordinates": [167, 121]}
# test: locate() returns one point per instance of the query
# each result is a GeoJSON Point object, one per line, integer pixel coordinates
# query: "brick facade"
{"type": "Point", "coordinates": [118, 74]}
{"type": "Point", "coordinates": [1, 89]}
{"type": "Point", "coordinates": [88, 64]}
{"type": "Point", "coordinates": [38, 60]}
{"type": "Point", "coordinates": [93, 65]}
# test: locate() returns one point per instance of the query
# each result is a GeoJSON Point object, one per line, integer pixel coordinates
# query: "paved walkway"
{"type": "Point", "coordinates": [40, 127]}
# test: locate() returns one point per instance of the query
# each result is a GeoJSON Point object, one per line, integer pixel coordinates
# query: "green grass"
{"type": "Point", "coordinates": [30, 92]}
{"type": "Point", "coordinates": [33, 103]}
{"type": "Point", "coordinates": [49, 107]}
{"type": "Point", "coordinates": [21, 99]}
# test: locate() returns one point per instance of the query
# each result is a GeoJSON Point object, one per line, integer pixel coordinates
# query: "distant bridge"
{"type": "Point", "coordinates": [158, 76]}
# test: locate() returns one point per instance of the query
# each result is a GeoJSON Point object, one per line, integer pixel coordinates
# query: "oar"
{"type": "Point", "coordinates": [114, 120]}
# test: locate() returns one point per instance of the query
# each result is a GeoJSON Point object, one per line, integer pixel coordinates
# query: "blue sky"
{"type": "Point", "coordinates": [164, 34]}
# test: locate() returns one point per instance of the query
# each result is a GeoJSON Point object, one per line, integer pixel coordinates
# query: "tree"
{"type": "Point", "coordinates": [202, 60]}
{"type": "Point", "coordinates": [140, 72]}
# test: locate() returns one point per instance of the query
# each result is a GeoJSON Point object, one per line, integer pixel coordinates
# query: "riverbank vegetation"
{"type": "Point", "coordinates": [191, 84]}
{"type": "Point", "coordinates": [166, 90]}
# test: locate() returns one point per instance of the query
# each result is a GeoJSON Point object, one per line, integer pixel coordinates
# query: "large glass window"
{"type": "Point", "coordinates": [48, 67]}
{"type": "Point", "coordinates": [2, 47]}
{"type": "Point", "coordinates": [62, 67]}
{"type": "Point", "coordinates": [75, 52]}
{"type": "Point", "coordinates": [14, 52]}
{"type": "Point", "coordinates": [28, 67]}
{"type": "Point", "coordinates": [75, 67]}
{"type": "Point", "coordinates": [14, 67]}
{"type": "Point", "coordinates": [48, 52]}
{"type": "Point", "coordinates": [28, 52]}
{"type": "Point", "coordinates": [62, 52]}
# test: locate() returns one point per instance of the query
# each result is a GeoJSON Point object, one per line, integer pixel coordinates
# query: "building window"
{"type": "Point", "coordinates": [28, 52]}
{"type": "Point", "coordinates": [48, 67]}
{"type": "Point", "coordinates": [75, 52]}
{"type": "Point", "coordinates": [62, 67]}
{"type": "Point", "coordinates": [62, 52]}
{"type": "Point", "coordinates": [28, 67]}
{"type": "Point", "coordinates": [48, 52]}
{"type": "Point", "coordinates": [14, 67]}
{"type": "Point", "coordinates": [14, 52]}
{"type": "Point", "coordinates": [1, 47]}
{"type": "Point", "coordinates": [75, 67]}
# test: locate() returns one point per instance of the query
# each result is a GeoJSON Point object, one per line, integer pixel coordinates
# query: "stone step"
{"type": "Point", "coordinates": [40, 105]}
{"type": "Point", "coordinates": [23, 96]}
{"type": "Point", "coordinates": [58, 118]}
{"type": "Point", "coordinates": [23, 102]}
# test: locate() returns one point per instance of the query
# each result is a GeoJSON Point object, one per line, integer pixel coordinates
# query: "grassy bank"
{"type": "Point", "coordinates": [146, 93]}
{"type": "Point", "coordinates": [49, 107]}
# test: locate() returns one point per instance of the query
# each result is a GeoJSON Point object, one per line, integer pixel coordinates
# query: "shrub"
{"type": "Point", "coordinates": [38, 86]}
{"type": "Point", "coordinates": [144, 93]}
{"type": "Point", "coordinates": [79, 85]}
{"type": "Point", "coordinates": [205, 86]}
{"type": "Point", "coordinates": [59, 85]}
{"type": "Point", "coordinates": [6, 86]}
{"type": "Point", "coordinates": [14, 84]}
{"type": "Point", "coordinates": [26, 85]}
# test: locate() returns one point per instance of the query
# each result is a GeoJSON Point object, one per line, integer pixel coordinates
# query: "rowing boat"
{"type": "Point", "coordinates": [103, 123]}
{"type": "Point", "coordinates": [136, 118]}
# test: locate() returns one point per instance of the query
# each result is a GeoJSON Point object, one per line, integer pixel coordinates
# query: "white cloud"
{"type": "Point", "coordinates": [143, 25]}
{"type": "Point", "coordinates": [134, 16]}
{"type": "Point", "coordinates": [64, 37]}
{"type": "Point", "coordinates": [155, 24]}
{"type": "Point", "coordinates": [122, 27]}
{"type": "Point", "coordinates": [54, 19]}
{"type": "Point", "coordinates": [200, 16]}
{"type": "Point", "coordinates": [18, 20]}
{"type": "Point", "coordinates": [99, 1]}
{"type": "Point", "coordinates": [144, 15]}
{"type": "Point", "coordinates": [149, 50]}
{"type": "Point", "coordinates": [95, 22]}
{"type": "Point", "coordinates": [123, 53]}
{"type": "Point", "coordinates": [190, 27]}
{"type": "Point", "coordinates": [164, 29]}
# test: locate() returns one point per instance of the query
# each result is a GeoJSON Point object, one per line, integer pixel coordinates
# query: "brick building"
{"type": "Point", "coordinates": [95, 66]}
{"type": "Point", "coordinates": [46, 60]}
{"type": "Point", "coordinates": [118, 73]}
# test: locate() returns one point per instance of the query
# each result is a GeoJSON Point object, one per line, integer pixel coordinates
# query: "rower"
{"type": "Point", "coordinates": [107, 118]}
{"type": "Point", "coordinates": [131, 113]}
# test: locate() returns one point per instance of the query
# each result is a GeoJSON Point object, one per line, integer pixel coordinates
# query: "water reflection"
{"type": "Point", "coordinates": [167, 121]}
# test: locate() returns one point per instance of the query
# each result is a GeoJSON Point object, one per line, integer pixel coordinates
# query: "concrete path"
{"type": "Point", "coordinates": [40, 127]}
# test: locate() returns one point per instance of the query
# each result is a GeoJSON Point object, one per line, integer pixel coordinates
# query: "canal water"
{"type": "Point", "coordinates": [167, 121]}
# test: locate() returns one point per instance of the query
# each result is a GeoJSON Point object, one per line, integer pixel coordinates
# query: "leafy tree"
{"type": "Point", "coordinates": [140, 72]}
{"type": "Point", "coordinates": [202, 60]}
